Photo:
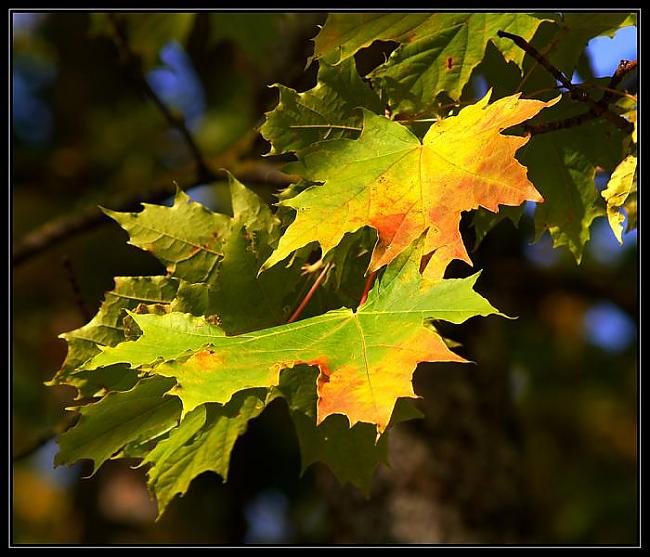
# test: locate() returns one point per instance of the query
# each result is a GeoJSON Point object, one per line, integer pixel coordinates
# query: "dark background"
{"type": "Point", "coordinates": [537, 443]}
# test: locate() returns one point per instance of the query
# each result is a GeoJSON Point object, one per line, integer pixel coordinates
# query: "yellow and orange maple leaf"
{"type": "Point", "coordinates": [402, 187]}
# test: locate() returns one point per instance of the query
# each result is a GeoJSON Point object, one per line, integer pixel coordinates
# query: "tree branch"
{"type": "Point", "coordinates": [133, 65]}
{"type": "Point", "coordinates": [76, 289]}
{"type": "Point", "coordinates": [67, 226]}
{"type": "Point", "coordinates": [366, 289]}
{"type": "Point", "coordinates": [600, 108]}
{"type": "Point", "coordinates": [306, 299]}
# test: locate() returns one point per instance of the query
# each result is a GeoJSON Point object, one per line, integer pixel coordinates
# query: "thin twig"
{"type": "Point", "coordinates": [577, 93]}
{"type": "Point", "coordinates": [547, 50]}
{"type": "Point", "coordinates": [76, 290]}
{"type": "Point", "coordinates": [624, 68]}
{"type": "Point", "coordinates": [133, 64]}
{"type": "Point", "coordinates": [615, 92]}
{"type": "Point", "coordinates": [369, 282]}
{"type": "Point", "coordinates": [325, 126]}
{"type": "Point", "coordinates": [309, 294]}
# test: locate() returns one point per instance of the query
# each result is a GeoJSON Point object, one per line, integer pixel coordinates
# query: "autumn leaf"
{"type": "Point", "coordinates": [352, 453]}
{"type": "Point", "coordinates": [366, 358]}
{"type": "Point", "coordinates": [621, 185]}
{"type": "Point", "coordinates": [401, 186]}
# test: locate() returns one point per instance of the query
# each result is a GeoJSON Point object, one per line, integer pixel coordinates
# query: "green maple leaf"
{"type": "Point", "coordinates": [437, 52]}
{"type": "Point", "coordinates": [107, 329]}
{"type": "Point", "coordinates": [366, 358]}
{"type": "Point", "coordinates": [220, 253]}
{"type": "Point", "coordinates": [106, 427]}
{"type": "Point", "coordinates": [192, 251]}
{"type": "Point", "coordinates": [202, 442]}
{"type": "Point", "coordinates": [327, 111]}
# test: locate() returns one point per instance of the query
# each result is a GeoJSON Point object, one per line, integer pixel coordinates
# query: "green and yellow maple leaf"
{"type": "Point", "coordinates": [620, 186]}
{"type": "Point", "coordinates": [366, 358]}
{"type": "Point", "coordinates": [401, 186]}
{"type": "Point", "coordinates": [106, 328]}
{"type": "Point", "coordinates": [438, 52]}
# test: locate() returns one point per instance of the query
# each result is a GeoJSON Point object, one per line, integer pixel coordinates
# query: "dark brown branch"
{"type": "Point", "coordinates": [89, 218]}
{"type": "Point", "coordinates": [624, 68]}
{"type": "Point", "coordinates": [76, 290]}
{"type": "Point", "coordinates": [133, 65]}
{"type": "Point", "coordinates": [577, 93]}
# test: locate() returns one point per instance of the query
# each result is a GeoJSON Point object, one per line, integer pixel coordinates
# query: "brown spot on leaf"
{"type": "Point", "coordinates": [450, 63]}
{"type": "Point", "coordinates": [213, 320]}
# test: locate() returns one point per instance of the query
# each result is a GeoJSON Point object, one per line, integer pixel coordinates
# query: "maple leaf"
{"type": "Point", "coordinates": [106, 328]}
{"type": "Point", "coordinates": [400, 186]}
{"type": "Point", "coordinates": [437, 52]}
{"type": "Point", "coordinates": [188, 252]}
{"type": "Point", "coordinates": [327, 111]}
{"type": "Point", "coordinates": [563, 167]}
{"type": "Point", "coordinates": [202, 442]}
{"type": "Point", "coordinates": [352, 453]}
{"type": "Point", "coordinates": [105, 427]}
{"type": "Point", "coordinates": [620, 186]}
{"type": "Point", "coordinates": [366, 358]}
{"type": "Point", "coordinates": [220, 253]}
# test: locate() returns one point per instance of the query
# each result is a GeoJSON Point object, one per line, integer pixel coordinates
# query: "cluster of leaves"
{"type": "Point", "coordinates": [181, 363]}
